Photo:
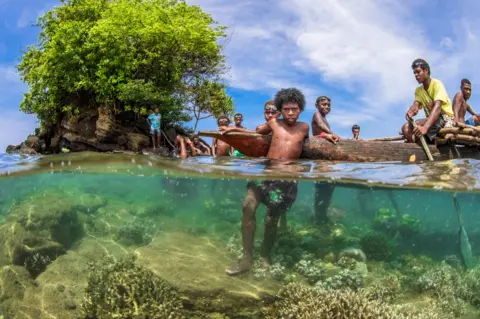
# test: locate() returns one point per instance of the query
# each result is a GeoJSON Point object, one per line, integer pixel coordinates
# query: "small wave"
{"type": "Point", "coordinates": [13, 162]}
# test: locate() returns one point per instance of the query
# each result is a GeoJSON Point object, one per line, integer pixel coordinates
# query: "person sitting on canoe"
{"type": "Point", "coordinates": [220, 148]}
{"type": "Point", "coordinates": [277, 195]}
{"type": "Point", "coordinates": [461, 106]}
{"type": "Point", "coordinates": [200, 147]}
{"type": "Point", "coordinates": [432, 97]}
{"type": "Point", "coordinates": [181, 149]}
{"type": "Point", "coordinates": [320, 125]}
{"type": "Point", "coordinates": [356, 132]}
{"type": "Point", "coordinates": [237, 119]}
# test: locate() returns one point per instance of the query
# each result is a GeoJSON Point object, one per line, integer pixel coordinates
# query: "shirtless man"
{"type": "Point", "coordinates": [200, 147]}
{"type": "Point", "coordinates": [320, 125]}
{"type": "Point", "coordinates": [461, 106]}
{"type": "Point", "coordinates": [238, 120]}
{"type": "Point", "coordinates": [278, 196]}
{"type": "Point", "coordinates": [220, 148]}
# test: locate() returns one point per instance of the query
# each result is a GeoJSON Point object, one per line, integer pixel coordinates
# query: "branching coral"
{"type": "Point", "coordinates": [125, 290]}
{"type": "Point", "coordinates": [302, 302]}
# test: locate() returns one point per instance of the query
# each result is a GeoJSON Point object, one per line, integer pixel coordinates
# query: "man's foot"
{"type": "Point", "coordinates": [239, 267]}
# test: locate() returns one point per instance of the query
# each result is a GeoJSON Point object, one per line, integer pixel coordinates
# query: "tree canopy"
{"type": "Point", "coordinates": [126, 55]}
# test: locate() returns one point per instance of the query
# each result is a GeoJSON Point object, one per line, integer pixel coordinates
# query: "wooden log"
{"type": "Point", "coordinates": [467, 138]}
{"type": "Point", "coordinates": [365, 151]}
{"type": "Point", "coordinates": [388, 139]}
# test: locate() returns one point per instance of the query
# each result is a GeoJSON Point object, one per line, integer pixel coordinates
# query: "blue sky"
{"type": "Point", "coordinates": [358, 52]}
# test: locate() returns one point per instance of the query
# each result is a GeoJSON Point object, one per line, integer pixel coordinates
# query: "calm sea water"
{"type": "Point", "coordinates": [182, 220]}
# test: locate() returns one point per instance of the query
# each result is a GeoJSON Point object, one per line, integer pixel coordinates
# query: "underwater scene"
{"type": "Point", "coordinates": [90, 235]}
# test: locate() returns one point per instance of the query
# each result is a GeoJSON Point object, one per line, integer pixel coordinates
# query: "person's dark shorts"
{"type": "Point", "coordinates": [434, 129]}
{"type": "Point", "coordinates": [277, 195]}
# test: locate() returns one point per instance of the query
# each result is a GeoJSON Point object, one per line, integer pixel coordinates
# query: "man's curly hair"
{"type": "Point", "coordinates": [291, 95]}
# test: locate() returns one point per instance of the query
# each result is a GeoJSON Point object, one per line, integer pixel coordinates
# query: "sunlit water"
{"type": "Point", "coordinates": [182, 221]}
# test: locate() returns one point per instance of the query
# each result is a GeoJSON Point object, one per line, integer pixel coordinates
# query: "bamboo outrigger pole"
{"type": "Point", "coordinates": [422, 140]}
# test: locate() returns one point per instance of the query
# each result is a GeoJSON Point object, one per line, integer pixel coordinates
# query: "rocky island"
{"type": "Point", "coordinates": [97, 71]}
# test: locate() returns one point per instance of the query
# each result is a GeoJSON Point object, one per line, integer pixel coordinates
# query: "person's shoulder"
{"type": "Point", "coordinates": [458, 96]}
{"type": "Point", "coordinates": [437, 83]}
{"type": "Point", "coordinates": [303, 125]}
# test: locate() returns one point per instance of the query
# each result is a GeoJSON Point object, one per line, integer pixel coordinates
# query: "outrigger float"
{"type": "Point", "coordinates": [462, 141]}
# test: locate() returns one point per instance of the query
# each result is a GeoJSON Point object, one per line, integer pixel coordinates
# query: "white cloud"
{"type": "Point", "coordinates": [356, 48]}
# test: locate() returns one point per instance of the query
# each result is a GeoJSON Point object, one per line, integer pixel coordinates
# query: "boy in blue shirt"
{"type": "Point", "coordinates": [154, 123]}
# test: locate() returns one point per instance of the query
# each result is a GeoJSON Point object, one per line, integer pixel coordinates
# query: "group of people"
{"type": "Point", "coordinates": [288, 135]}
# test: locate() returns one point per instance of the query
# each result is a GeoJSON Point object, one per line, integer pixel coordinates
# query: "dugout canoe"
{"type": "Point", "coordinates": [256, 145]}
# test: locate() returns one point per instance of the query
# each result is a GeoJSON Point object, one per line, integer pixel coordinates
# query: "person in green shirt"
{"type": "Point", "coordinates": [432, 97]}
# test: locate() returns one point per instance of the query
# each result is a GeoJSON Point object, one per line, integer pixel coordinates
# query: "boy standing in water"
{"type": "Point", "coordinates": [320, 125]}
{"type": "Point", "coordinates": [220, 148]}
{"type": "Point", "coordinates": [278, 196]}
{"type": "Point", "coordinates": [154, 120]}
{"type": "Point", "coordinates": [461, 106]}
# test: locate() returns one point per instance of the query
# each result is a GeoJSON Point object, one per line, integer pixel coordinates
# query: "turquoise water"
{"type": "Point", "coordinates": [67, 218]}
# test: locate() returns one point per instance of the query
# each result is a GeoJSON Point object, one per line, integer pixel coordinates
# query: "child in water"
{"type": "Point", "coordinates": [277, 195]}
{"type": "Point", "coordinates": [220, 148]}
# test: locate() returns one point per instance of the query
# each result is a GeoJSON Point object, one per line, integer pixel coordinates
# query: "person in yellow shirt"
{"type": "Point", "coordinates": [432, 97]}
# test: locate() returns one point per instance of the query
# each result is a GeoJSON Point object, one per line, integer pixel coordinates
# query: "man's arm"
{"type": "Point", "coordinates": [231, 129]}
{"type": "Point", "coordinates": [413, 110]}
{"type": "Point", "coordinates": [434, 114]}
{"type": "Point", "coordinates": [214, 142]}
{"type": "Point", "coordinates": [193, 151]}
{"type": "Point", "coordinates": [457, 104]}
{"type": "Point", "coordinates": [470, 110]}
{"type": "Point", "coordinates": [264, 129]}
{"type": "Point", "coordinates": [319, 121]}
{"type": "Point", "coordinates": [206, 147]}
{"type": "Point", "coordinates": [183, 150]}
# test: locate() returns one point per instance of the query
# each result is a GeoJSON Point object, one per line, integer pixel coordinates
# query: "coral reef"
{"type": "Point", "coordinates": [138, 232]}
{"type": "Point", "coordinates": [345, 280]}
{"type": "Point", "coordinates": [386, 220]}
{"type": "Point", "coordinates": [126, 290]}
{"type": "Point", "coordinates": [353, 253]}
{"type": "Point", "coordinates": [409, 226]}
{"type": "Point", "coordinates": [311, 269]}
{"type": "Point", "coordinates": [376, 246]}
{"type": "Point", "coordinates": [298, 301]}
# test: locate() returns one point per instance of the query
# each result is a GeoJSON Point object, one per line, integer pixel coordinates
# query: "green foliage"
{"type": "Point", "coordinates": [124, 54]}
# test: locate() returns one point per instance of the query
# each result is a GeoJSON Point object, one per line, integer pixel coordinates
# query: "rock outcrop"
{"type": "Point", "coordinates": [95, 130]}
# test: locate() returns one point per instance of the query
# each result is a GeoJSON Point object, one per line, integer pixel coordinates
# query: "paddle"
{"type": "Point", "coordinates": [422, 140]}
{"type": "Point", "coordinates": [465, 246]}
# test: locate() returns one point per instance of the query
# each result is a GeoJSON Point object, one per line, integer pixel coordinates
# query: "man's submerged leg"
{"type": "Point", "coordinates": [279, 205]}
{"type": "Point", "coordinates": [249, 207]}
{"type": "Point", "coordinates": [270, 235]}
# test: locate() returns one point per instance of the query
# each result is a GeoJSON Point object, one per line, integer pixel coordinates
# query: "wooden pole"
{"type": "Point", "coordinates": [388, 139]}
{"type": "Point", "coordinates": [424, 143]}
